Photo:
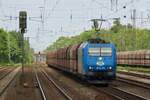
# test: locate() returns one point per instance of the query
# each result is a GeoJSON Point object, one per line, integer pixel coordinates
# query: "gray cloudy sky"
{"type": "Point", "coordinates": [57, 16]}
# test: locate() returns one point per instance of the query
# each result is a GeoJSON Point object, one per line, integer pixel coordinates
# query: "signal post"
{"type": "Point", "coordinates": [22, 27]}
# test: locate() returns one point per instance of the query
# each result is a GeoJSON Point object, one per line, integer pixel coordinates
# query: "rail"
{"type": "Point", "coordinates": [40, 87]}
{"type": "Point", "coordinates": [119, 94]}
{"type": "Point", "coordinates": [54, 83]}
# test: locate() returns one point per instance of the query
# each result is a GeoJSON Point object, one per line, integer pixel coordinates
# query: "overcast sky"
{"type": "Point", "coordinates": [68, 17]}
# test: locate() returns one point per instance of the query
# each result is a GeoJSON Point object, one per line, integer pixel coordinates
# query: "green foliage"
{"type": "Point", "coordinates": [66, 41]}
{"type": "Point", "coordinates": [124, 36]}
{"type": "Point", "coordinates": [3, 46]}
{"type": "Point", "coordinates": [10, 41]}
{"type": "Point", "coordinates": [28, 52]}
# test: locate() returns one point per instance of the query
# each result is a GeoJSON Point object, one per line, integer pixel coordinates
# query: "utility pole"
{"type": "Point", "coordinates": [134, 27]}
{"type": "Point", "coordinates": [134, 18]}
{"type": "Point", "coordinates": [42, 17]}
{"type": "Point", "coordinates": [22, 27]}
{"type": "Point", "coordinates": [28, 48]}
{"type": "Point", "coordinates": [111, 3]}
{"type": "Point", "coordinates": [114, 5]}
{"type": "Point", "coordinates": [8, 44]}
{"type": "Point", "coordinates": [141, 19]}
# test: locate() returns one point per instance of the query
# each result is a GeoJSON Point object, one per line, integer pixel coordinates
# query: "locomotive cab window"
{"type": "Point", "coordinates": [106, 51]}
{"type": "Point", "coordinates": [94, 52]}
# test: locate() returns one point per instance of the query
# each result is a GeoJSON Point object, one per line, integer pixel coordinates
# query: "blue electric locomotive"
{"type": "Point", "coordinates": [94, 60]}
{"type": "Point", "coordinates": [97, 61]}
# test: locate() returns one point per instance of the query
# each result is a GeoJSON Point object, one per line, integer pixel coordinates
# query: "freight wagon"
{"type": "Point", "coordinates": [134, 58]}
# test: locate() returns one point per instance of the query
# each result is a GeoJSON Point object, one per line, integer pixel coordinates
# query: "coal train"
{"type": "Point", "coordinates": [134, 58]}
{"type": "Point", "coordinates": [93, 60]}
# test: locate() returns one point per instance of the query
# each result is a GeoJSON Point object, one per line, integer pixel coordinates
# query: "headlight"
{"type": "Point", "coordinates": [110, 68]}
{"type": "Point", "coordinates": [90, 67]}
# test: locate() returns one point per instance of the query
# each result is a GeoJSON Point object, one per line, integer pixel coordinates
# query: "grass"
{"type": "Point", "coordinates": [9, 64]}
{"type": "Point", "coordinates": [135, 69]}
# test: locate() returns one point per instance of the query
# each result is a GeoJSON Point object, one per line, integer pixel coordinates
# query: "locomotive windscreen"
{"type": "Point", "coordinates": [104, 51]}
{"type": "Point", "coordinates": [94, 52]}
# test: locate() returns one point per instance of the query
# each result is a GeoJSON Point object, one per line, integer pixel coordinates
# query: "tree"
{"type": "Point", "coordinates": [116, 26]}
{"type": "Point", "coordinates": [123, 39]}
{"type": "Point", "coordinates": [11, 46]}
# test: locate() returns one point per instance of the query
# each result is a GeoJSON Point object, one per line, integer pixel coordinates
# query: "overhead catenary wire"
{"type": "Point", "coordinates": [1, 8]}
{"type": "Point", "coordinates": [78, 17]}
{"type": "Point", "coordinates": [101, 4]}
{"type": "Point", "coordinates": [53, 9]}
{"type": "Point", "coordinates": [122, 7]}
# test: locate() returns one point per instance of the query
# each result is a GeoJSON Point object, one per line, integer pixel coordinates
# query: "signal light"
{"type": "Point", "coordinates": [23, 20]}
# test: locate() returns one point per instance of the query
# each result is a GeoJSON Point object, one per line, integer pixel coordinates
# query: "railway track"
{"type": "Point", "coordinates": [40, 86]}
{"type": "Point", "coordinates": [135, 92]}
{"type": "Point", "coordinates": [133, 85]}
{"type": "Point", "coordinates": [119, 94]}
{"type": "Point", "coordinates": [132, 82]}
{"type": "Point", "coordinates": [132, 78]}
{"type": "Point", "coordinates": [2, 68]}
{"type": "Point", "coordinates": [7, 78]}
{"type": "Point", "coordinates": [51, 84]}
{"type": "Point", "coordinates": [5, 72]}
{"type": "Point", "coordinates": [141, 75]}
